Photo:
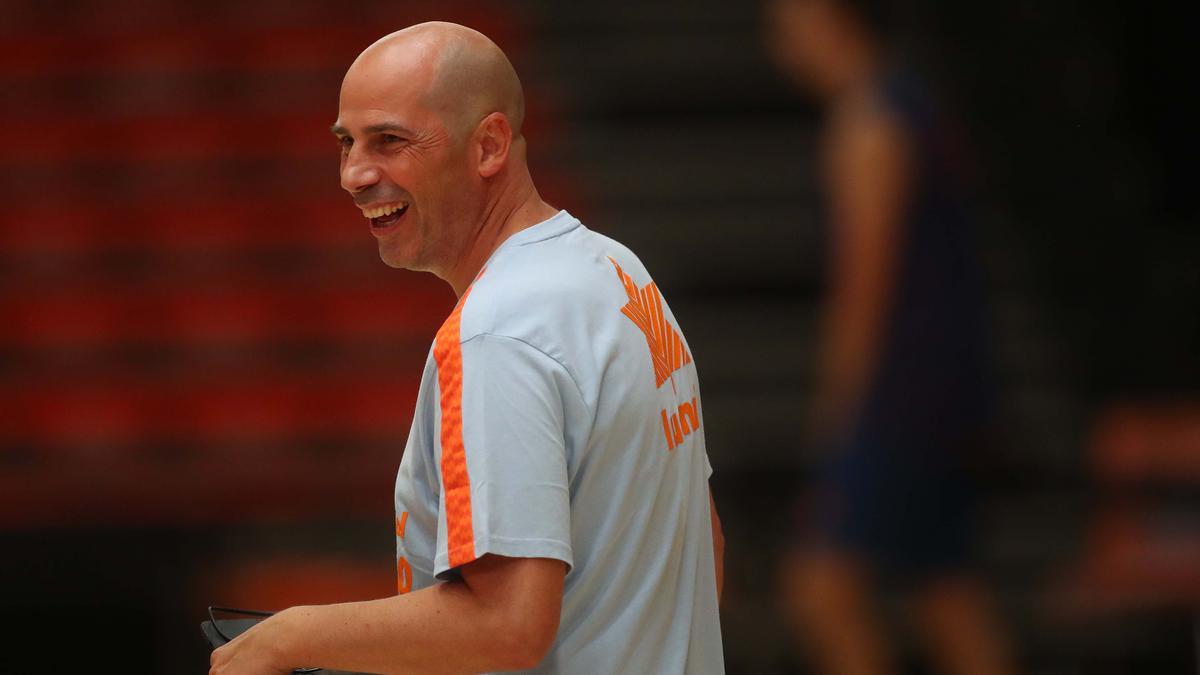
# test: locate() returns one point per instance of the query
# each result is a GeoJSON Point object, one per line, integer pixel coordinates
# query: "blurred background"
{"type": "Point", "coordinates": [207, 376]}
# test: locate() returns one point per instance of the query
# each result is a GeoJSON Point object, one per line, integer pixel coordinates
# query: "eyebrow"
{"type": "Point", "coordinates": [339, 130]}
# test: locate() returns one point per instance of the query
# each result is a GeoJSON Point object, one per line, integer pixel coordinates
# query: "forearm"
{"type": "Point", "coordinates": [441, 629]}
{"type": "Point", "coordinates": [718, 537]}
{"type": "Point", "coordinates": [849, 350]}
{"type": "Point", "coordinates": [870, 172]}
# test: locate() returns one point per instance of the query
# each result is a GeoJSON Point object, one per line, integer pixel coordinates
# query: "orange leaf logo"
{"type": "Point", "coordinates": [645, 310]}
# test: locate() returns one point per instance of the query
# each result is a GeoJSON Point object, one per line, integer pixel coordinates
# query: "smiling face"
{"type": "Point", "coordinates": [406, 169]}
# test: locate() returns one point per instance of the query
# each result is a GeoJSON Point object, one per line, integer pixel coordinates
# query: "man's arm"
{"type": "Point", "coordinates": [502, 615]}
{"type": "Point", "coordinates": [869, 169]}
{"type": "Point", "coordinates": [718, 536]}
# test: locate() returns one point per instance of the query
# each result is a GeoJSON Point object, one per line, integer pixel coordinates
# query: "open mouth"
{"type": "Point", "coordinates": [386, 216]}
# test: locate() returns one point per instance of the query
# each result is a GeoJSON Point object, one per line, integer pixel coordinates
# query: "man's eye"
{"type": "Point", "coordinates": [390, 138]}
{"type": "Point", "coordinates": [345, 142]}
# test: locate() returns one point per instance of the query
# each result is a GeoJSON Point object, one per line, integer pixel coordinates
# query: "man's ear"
{"type": "Point", "coordinates": [495, 140]}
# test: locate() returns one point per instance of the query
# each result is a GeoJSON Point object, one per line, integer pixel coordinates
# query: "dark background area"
{"type": "Point", "coordinates": [206, 374]}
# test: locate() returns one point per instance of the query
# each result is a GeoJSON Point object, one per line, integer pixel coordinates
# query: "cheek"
{"type": "Point", "coordinates": [417, 173]}
{"type": "Point", "coordinates": [400, 173]}
{"type": "Point", "coordinates": [454, 187]}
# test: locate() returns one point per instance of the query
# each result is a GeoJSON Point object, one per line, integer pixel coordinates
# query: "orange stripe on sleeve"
{"type": "Point", "coordinates": [456, 485]}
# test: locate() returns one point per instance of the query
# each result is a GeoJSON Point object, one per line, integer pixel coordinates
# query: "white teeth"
{"type": "Point", "coordinates": [380, 211]}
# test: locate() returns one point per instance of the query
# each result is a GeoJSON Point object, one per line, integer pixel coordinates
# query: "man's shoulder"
{"type": "Point", "coordinates": [553, 294]}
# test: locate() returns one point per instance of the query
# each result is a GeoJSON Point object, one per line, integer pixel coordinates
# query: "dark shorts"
{"type": "Point", "coordinates": [904, 507]}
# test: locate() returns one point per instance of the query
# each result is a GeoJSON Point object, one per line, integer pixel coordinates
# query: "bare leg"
{"type": "Point", "coordinates": [827, 596]}
{"type": "Point", "coordinates": [960, 629]}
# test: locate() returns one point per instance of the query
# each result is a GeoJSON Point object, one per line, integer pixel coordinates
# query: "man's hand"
{"type": "Point", "coordinates": [502, 615]}
{"type": "Point", "coordinates": [254, 652]}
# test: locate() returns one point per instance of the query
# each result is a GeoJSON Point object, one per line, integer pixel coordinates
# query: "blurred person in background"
{"type": "Point", "coordinates": [902, 391]}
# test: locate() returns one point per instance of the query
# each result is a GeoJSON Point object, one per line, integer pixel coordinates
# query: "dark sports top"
{"type": "Point", "coordinates": [930, 384]}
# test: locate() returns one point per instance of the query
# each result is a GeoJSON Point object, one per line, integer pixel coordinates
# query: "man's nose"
{"type": "Point", "coordinates": [358, 172]}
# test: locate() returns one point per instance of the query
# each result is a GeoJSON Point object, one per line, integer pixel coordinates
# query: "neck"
{"type": "Point", "coordinates": [510, 211]}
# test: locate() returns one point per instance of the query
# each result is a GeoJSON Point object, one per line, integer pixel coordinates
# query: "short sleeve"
{"type": "Point", "coordinates": [502, 462]}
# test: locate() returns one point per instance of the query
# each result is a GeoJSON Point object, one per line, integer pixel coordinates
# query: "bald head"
{"type": "Point", "coordinates": [429, 126]}
{"type": "Point", "coordinates": [461, 74]}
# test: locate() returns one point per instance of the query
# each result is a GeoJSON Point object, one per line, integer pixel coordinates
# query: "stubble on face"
{"type": "Point", "coordinates": [444, 79]}
{"type": "Point", "coordinates": [411, 156]}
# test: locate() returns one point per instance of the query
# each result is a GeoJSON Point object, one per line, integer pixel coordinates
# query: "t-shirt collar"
{"type": "Point", "coordinates": [553, 226]}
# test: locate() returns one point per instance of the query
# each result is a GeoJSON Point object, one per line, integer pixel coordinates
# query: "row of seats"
{"type": "Point", "coordinates": [196, 323]}
{"type": "Point", "coordinates": [98, 315]}
{"type": "Point", "coordinates": [125, 415]}
{"type": "Point", "coordinates": [170, 226]}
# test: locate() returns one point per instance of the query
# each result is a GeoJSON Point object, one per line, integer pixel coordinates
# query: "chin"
{"type": "Point", "coordinates": [394, 260]}
{"type": "Point", "coordinates": [402, 260]}
{"type": "Point", "coordinates": [394, 264]}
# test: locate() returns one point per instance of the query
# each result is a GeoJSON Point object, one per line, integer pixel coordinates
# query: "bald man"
{"type": "Point", "coordinates": [552, 505]}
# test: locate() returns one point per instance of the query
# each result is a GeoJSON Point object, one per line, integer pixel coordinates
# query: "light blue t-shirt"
{"type": "Point", "coordinates": [559, 417]}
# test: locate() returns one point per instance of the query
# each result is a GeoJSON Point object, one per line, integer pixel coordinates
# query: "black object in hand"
{"type": "Point", "coordinates": [222, 631]}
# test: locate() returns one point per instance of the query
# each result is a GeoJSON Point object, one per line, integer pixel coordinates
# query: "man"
{"type": "Point", "coordinates": [903, 388]}
{"type": "Point", "coordinates": [552, 504]}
